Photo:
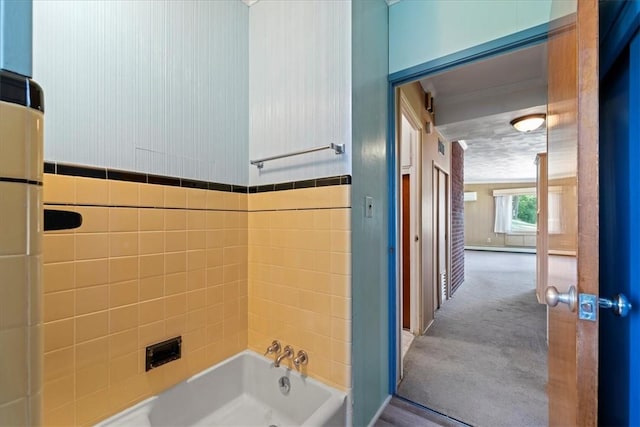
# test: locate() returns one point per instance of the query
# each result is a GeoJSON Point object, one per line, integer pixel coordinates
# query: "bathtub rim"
{"type": "Point", "coordinates": [336, 399]}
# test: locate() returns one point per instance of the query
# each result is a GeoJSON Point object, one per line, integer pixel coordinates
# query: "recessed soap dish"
{"type": "Point", "coordinates": [55, 219]}
{"type": "Point", "coordinates": [163, 352]}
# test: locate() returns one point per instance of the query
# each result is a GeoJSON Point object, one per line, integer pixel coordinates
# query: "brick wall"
{"type": "Point", "coordinates": [457, 216]}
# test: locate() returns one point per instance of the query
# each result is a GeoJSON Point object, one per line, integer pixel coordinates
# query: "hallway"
{"type": "Point", "coordinates": [483, 361]}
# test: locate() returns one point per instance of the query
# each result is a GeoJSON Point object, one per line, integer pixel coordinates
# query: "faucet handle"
{"type": "Point", "coordinates": [301, 359]}
{"type": "Point", "coordinates": [273, 348]}
{"type": "Point", "coordinates": [288, 352]}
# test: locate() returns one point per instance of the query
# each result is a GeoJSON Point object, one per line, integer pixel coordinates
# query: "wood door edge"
{"type": "Point", "coordinates": [588, 179]}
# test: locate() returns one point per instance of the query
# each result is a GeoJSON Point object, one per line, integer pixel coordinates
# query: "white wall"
{"type": "Point", "coordinates": [151, 86]}
{"type": "Point", "coordinates": [300, 87]}
{"type": "Point", "coordinates": [444, 27]}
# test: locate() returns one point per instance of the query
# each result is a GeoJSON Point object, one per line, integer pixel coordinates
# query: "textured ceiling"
{"type": "Point", "coordinates": [497, 152]}
{"type": "Point", "coordinates": [493, 92]}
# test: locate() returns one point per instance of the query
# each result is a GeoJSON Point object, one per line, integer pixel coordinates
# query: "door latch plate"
{"type": "Point", "coordinates": [587, 307]}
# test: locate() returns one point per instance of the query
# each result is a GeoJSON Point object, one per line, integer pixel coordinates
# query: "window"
{"type": "Point", "coordinates": [516, 210]}
{"type": "Point", "coordinates": [523, 213]}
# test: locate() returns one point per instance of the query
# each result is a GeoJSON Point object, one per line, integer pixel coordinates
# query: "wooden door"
{"type": "Point", "coordinates": [440, 227]}
{"type": "Point", "coordinates": [542, 245]}
{"type": "Point", "coordinates": [442, 236]}
{"type": "Point", "coordinates": [406, 252]}
{"type": "Point", "coordinates": [572, 127]}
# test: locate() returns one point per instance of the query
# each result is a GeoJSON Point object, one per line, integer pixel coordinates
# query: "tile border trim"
{"type": "Point", "coordinates": [20, 180]}
{"type": "Point", "coordinates": [21, 90]}
{"type": "Point", "coordinates": [144, 178]}
{"type": "Point", "coordinates": [60, 206]}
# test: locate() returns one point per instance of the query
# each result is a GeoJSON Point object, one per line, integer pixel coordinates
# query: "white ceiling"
{"type": "Point", "coordinates": [497, 152]}
{"type": "Point", "coordinates": [513, 68]}
{"type": "Point", "coordinates": [476, 102]}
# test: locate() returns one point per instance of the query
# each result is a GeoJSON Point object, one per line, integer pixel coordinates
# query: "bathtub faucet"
{"type": "Point", "coordinates": [302, 359]}
{"type": "Point", "coordinates": [286, 354]}
{"type": "Point", "coordinates": [273, 348]}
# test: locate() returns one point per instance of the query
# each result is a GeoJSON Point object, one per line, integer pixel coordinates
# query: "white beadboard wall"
{"type": "Point", "coordinates": [151, 86]}
{"type": "Point", "coordinates": [299, 87]}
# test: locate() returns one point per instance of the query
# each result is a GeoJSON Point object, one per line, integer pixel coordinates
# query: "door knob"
{"type": "Point", "coordinates": [553, 297]}
{"type": "Point", "coordinates": [619, 304]}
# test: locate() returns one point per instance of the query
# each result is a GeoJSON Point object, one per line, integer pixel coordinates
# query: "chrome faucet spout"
{"type": "Point", "coordinates": [286, 354]}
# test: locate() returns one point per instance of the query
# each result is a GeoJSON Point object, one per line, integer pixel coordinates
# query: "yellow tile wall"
{"type": "Point", "coordinates": [226, 271]}
{"type": "Point", "coordinates": [300, 277]}
{"type": "Point", "coordinates": [169, 261]}
{"type": "Point", "coordinates": [21, 135]}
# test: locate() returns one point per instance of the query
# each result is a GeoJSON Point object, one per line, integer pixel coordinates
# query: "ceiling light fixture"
{"type": "Point", "coordinates": [529, 122]}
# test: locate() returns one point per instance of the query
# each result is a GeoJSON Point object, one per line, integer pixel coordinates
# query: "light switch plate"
{"type": "Point", "coordinates": [368, 207]}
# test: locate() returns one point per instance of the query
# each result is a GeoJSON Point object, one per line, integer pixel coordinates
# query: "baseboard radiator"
{"type": "Point", "coordinates": [443, 285]}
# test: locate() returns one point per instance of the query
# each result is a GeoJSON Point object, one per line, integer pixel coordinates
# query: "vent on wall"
{"type": "Point", "coordinates": [443, 285]}
{"type": "Point", "coordinates": [470, 196]}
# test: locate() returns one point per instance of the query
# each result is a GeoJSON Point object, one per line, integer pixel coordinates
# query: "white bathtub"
{"type": "Point", "coordinates": [243, 390]}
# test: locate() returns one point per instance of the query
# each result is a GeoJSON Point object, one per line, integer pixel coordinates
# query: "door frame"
{"type": "Point", "coordinates": [415, 180]}
{"type": "Point", "coordinates": [437, 168]}
{"type": "Point", "coordinates": [620, 26]}
{"type": "Point", "coordinates": [510, 43]}
{"type": "Point", "coordinates": [405, 110]}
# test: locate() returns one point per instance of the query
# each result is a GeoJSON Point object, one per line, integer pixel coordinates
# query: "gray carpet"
{"type": "Point", "coordinates": [484, 360]}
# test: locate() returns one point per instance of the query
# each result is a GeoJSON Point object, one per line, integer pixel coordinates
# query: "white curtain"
{"type": "Point", "coordinates": [503, 214]}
